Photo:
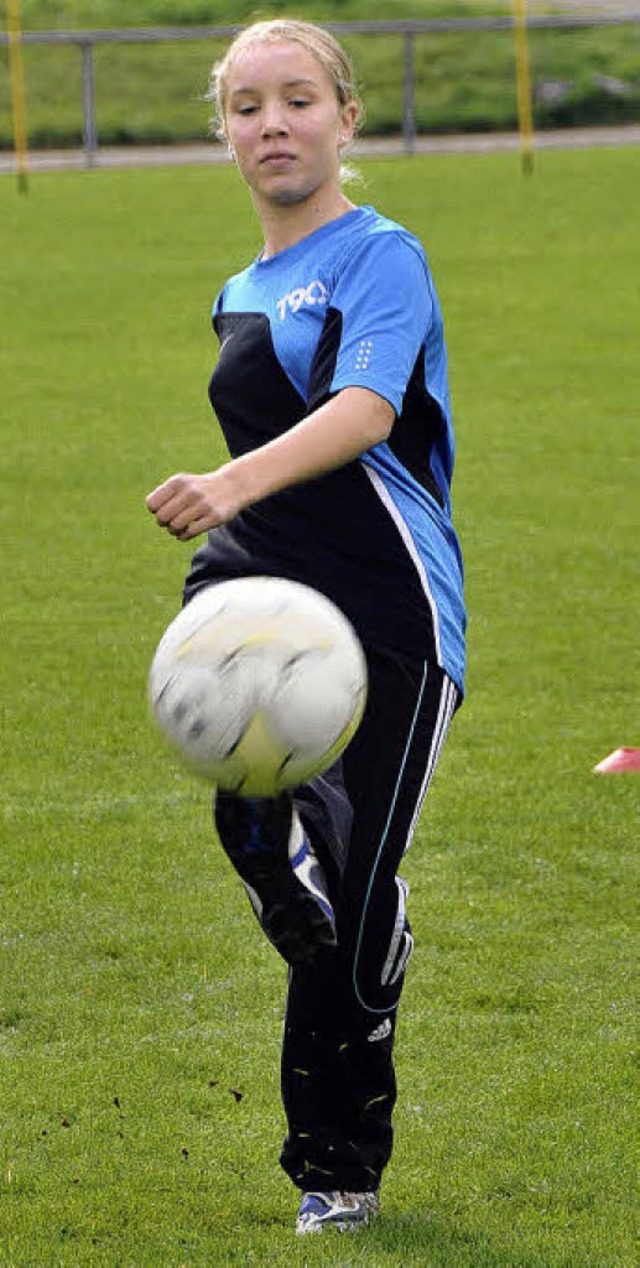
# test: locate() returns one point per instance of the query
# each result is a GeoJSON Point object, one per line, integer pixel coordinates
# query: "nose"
{"type": "Point", "coordinates": [274, 122]}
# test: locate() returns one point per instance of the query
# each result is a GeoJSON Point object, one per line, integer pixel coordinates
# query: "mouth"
{"type": "Point", "coordinates": [278, 158]}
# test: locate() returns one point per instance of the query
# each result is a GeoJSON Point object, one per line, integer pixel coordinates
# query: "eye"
{"type": "Point", "coordinates": [299, 103]}
{"type": "Point", "coordinates": [246, 109]}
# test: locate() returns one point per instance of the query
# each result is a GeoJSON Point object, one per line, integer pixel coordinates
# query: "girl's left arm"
{"type": "Point", "coordinates": [340, 430]}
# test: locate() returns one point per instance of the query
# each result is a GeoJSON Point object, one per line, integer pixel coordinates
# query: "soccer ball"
{"type": "Point", "coordinates": [259, 684]}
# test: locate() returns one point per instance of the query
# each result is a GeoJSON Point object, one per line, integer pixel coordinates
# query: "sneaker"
{"type": "Point", "coordinates": [266, 843]}
{"type": "Point", "coordinates": [336, 1210]}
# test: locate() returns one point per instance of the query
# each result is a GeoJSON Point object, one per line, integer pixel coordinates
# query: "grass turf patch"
{"type": "Point", "coordinates": [140, 1011]}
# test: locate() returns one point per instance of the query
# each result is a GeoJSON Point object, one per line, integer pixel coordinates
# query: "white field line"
{"type": "Point", "coordinates": [96, 807]}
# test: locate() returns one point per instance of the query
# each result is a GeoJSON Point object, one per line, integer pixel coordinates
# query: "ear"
{"type": "Point", "coordinates": [346, 129]}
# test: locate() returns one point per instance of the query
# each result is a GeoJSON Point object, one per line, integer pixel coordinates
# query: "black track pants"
{"type": "Point", "coordinates": [338, 1081]}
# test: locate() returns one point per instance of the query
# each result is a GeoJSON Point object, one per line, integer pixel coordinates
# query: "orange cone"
{"type": "Point", "coordinates": [623, 759]}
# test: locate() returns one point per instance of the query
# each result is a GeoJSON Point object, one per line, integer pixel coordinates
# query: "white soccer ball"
{"type": "Point", "coordinates": [259, 684]}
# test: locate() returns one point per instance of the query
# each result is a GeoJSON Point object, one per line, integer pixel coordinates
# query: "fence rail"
{"type": "Point", "coordinates": [87, 41]}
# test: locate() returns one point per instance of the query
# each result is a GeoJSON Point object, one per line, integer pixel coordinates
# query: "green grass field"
{"type": "Point", "coordinates": [140, 1011]}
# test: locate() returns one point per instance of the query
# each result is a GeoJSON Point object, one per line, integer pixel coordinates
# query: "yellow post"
{"type": "Point", "coordinates": [523, 85]}
{"type": "Point", "coordinates": [17, 93]}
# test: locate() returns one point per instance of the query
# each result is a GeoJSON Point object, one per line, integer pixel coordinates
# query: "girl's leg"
{"type": "Point", "coordinates": [338, 1080]}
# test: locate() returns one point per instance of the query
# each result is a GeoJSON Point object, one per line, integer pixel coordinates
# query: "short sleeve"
{"type": "Point", "coordinates": [384, 301]}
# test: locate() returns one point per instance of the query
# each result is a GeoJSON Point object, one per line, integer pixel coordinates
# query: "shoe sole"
{"type": "Point", "coordinates": [340, 1226]}
{"type": "Point", "coordinates": [291, 918]}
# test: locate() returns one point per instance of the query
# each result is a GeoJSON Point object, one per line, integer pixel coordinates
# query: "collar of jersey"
{"type": "Point", "coordinates": [325, 231]}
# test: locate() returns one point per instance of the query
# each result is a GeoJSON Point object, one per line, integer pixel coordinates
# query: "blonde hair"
{"type": "Point", "coordinates": [316, 39]}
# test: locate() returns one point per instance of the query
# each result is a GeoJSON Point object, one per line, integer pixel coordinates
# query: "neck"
{"type": "Point", "coordinates": [283, 226]}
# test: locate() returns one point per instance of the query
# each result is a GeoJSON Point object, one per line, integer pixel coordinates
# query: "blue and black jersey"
{"type": "Point", "coordinates": [351, 305]}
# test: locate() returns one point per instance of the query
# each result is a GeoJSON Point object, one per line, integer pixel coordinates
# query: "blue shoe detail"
{"type": "Point", "coordinates": [297, 859]}
{"type": "Point", "coordinates": [307, 868]}
{"type": "Point", "coordinates": [341, 1211]}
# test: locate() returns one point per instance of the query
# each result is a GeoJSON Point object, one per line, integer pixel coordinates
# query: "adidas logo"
{"type": "Point", "coordinates": [380, 1031]}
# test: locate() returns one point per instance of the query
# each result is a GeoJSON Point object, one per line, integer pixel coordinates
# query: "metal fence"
{"type": "Point", "coordinates": [87, 41]}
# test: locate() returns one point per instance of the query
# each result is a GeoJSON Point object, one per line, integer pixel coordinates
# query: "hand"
{"type": "Point", "coordinates": [187, 505]}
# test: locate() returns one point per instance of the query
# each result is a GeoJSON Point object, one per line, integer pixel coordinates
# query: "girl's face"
{"type": "Point", "coordinates": [284, 123]}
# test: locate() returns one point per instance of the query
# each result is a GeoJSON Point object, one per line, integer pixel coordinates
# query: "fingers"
{"type": "Point", "coordinates": [181, 506]}
{"type": "Point", "coordinates": [192, 528]}
{"type": "Point", "coordinates": [175, 504]}
{"type": "Point", "coordinates": [169, 499]}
